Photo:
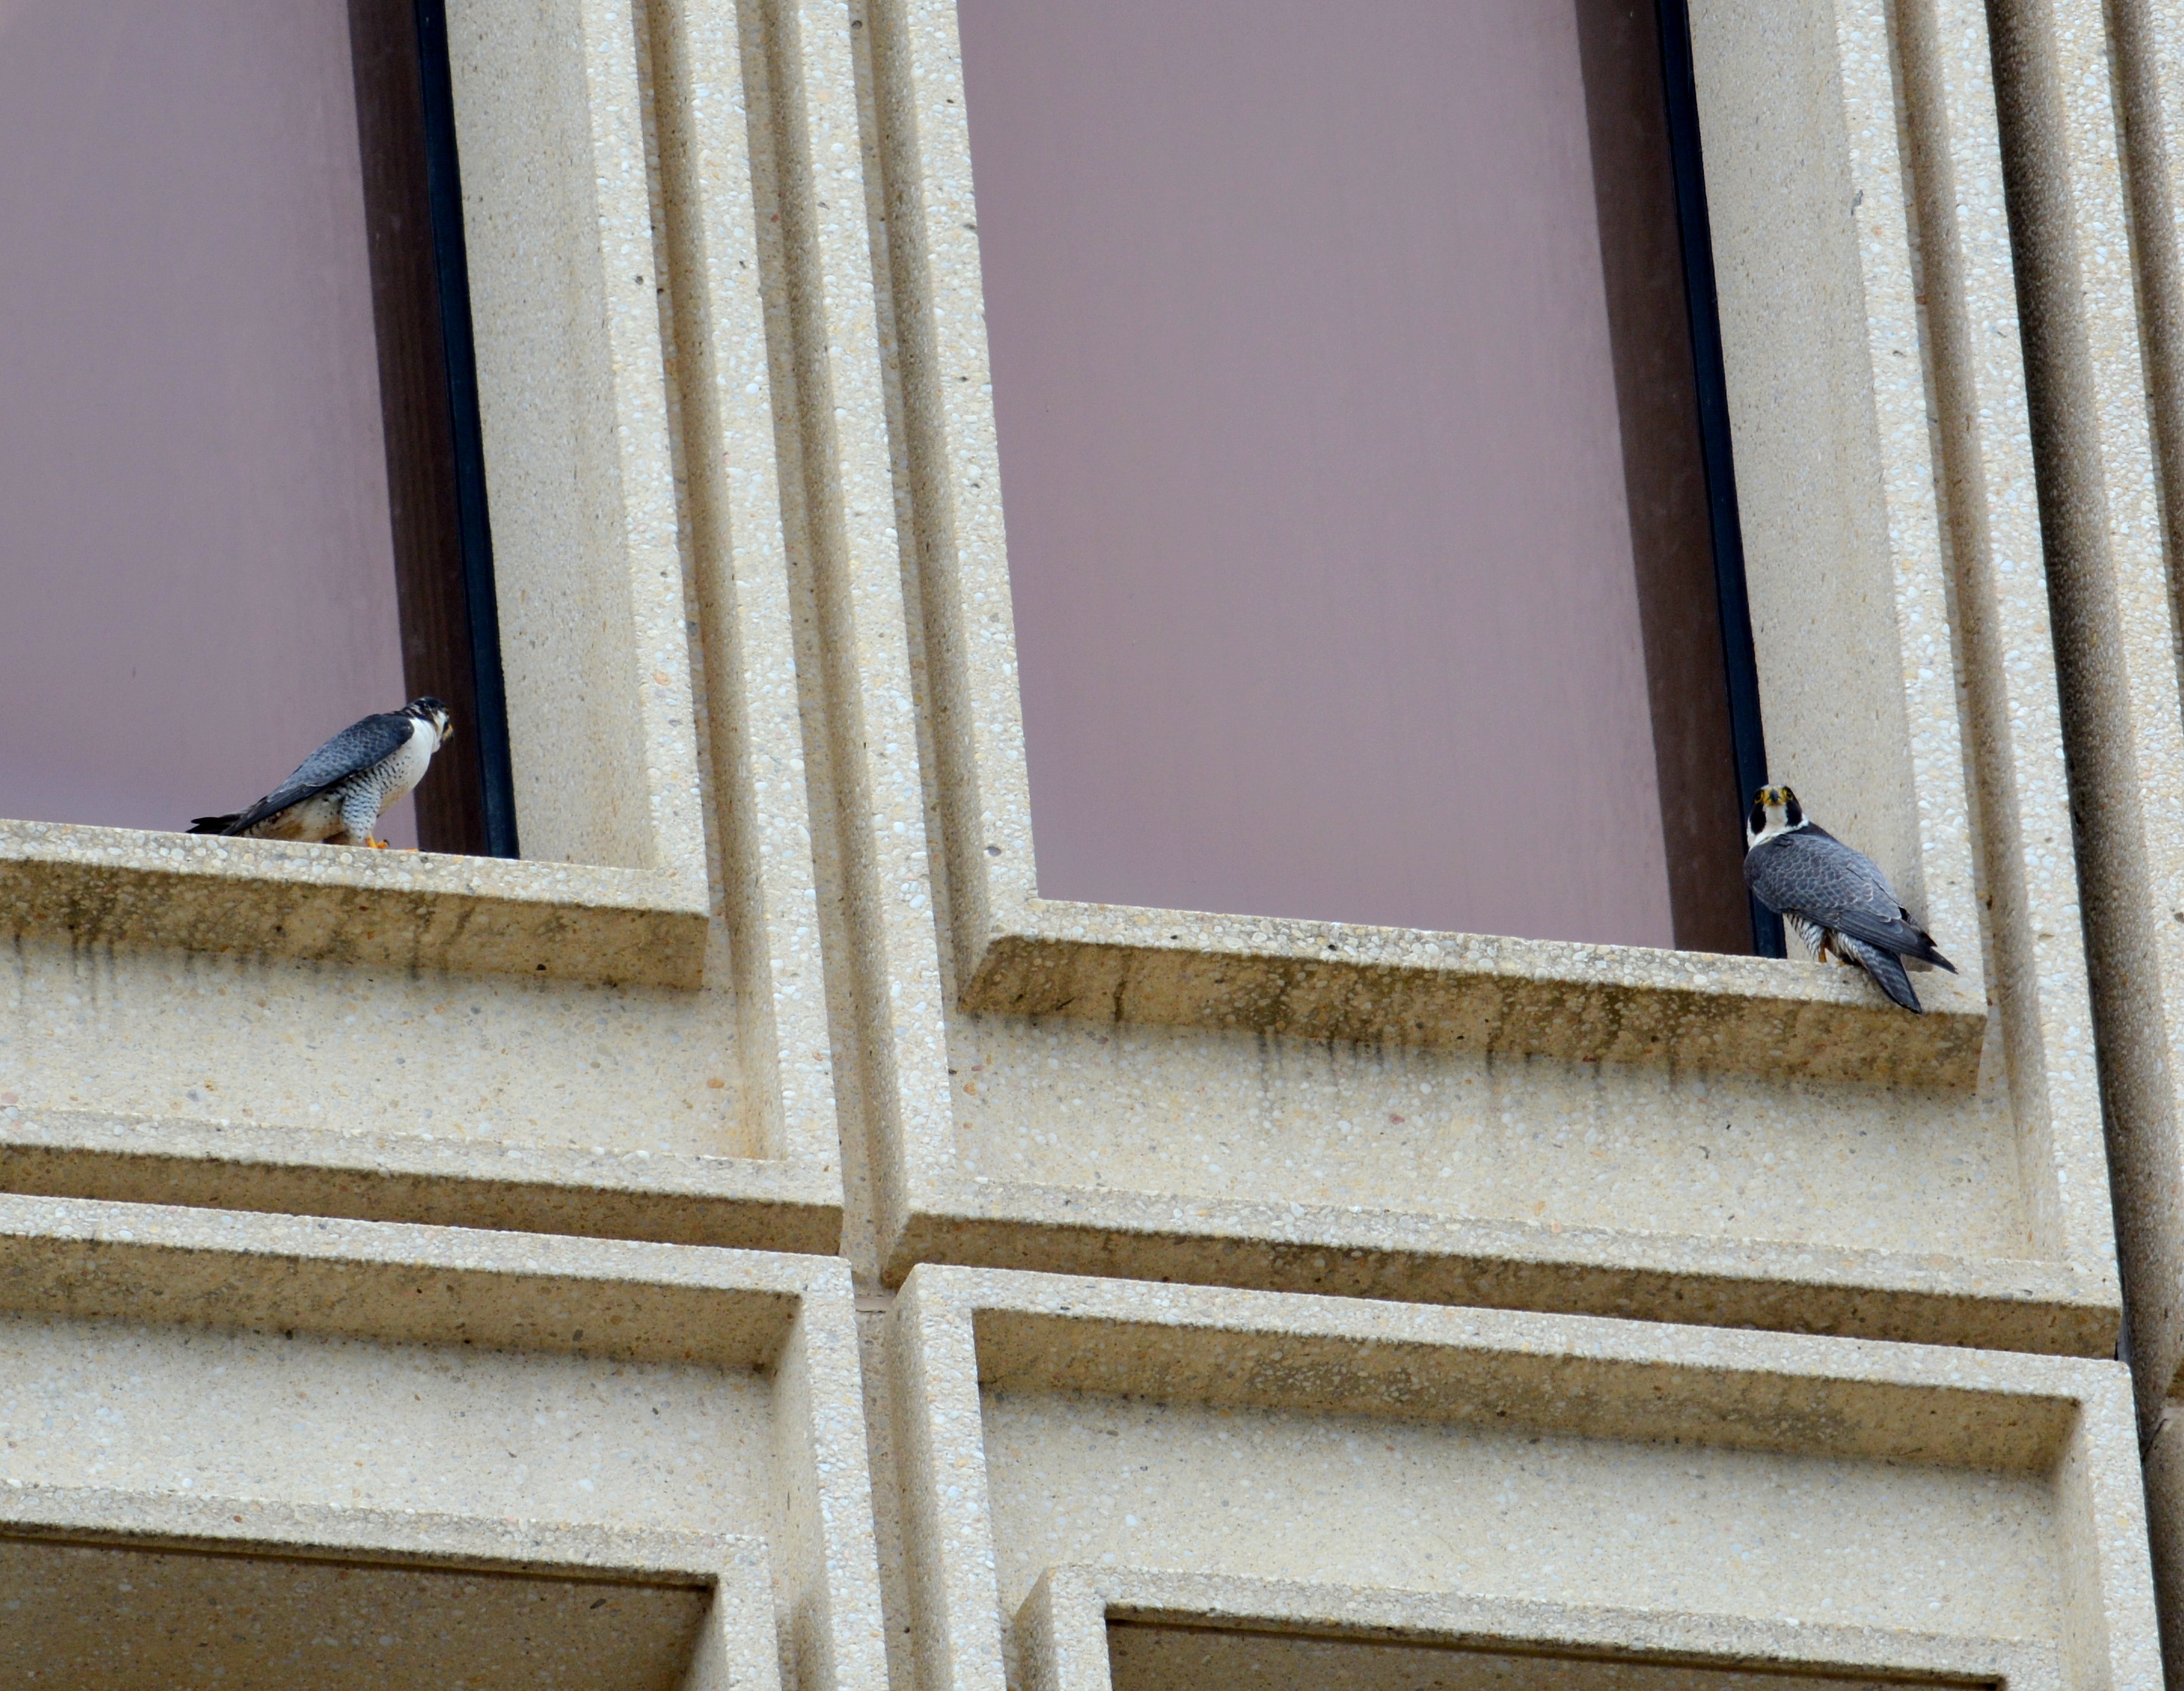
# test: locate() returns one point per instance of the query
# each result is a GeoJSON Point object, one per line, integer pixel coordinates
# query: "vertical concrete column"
{"type": "Point", "coordinates": [850, 541]}
{"type": "Point", "coordinates": [2091, 97]}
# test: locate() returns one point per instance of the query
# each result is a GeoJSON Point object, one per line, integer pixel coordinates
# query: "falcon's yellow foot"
{"type": "Point", "coordinates": [377, 845]}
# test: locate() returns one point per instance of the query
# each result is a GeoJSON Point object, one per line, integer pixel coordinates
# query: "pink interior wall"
{"type": "Point", "coordinates": [1318, 531]}
{"type": "Point", "coordinates": [193, 519]}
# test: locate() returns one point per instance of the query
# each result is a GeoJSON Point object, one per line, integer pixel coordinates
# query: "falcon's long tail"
{"type": "Point", "coordinates": [1887, 968]}
{"type": "Point", "coordinates": [214, 824]}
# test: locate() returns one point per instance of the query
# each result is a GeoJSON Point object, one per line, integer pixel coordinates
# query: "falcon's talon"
{"type": "Point", "coordinates": [337, 794]}
{"type": "Point", "coordinates": [1835, 898]}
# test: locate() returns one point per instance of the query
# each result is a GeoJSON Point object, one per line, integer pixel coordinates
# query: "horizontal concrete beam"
{"type": "Point", "coordinates": [1078, 1620]}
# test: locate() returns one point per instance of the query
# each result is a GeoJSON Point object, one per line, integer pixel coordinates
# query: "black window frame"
{"type": "Point", "coordinates": [1740, 657]}
{"type": "Point", "coordinates": [436, 486]}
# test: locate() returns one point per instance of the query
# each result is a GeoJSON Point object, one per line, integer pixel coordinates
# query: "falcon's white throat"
{"type": "Point", "coordinates": [407, 767]}
{"type": "Point", "coordinates": [1777, 824]}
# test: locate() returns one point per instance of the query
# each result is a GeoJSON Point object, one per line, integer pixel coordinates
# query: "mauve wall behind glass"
{"type": "Point", "coordinates": [194, 518]}
{"type": "Point", "coordinates": [1317, 529]}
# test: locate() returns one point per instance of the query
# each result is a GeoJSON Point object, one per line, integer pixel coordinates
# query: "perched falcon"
{"type": "Point", "coordinates": [337, 794]}
{"type": "Point", "coordinates": [1837, 899]}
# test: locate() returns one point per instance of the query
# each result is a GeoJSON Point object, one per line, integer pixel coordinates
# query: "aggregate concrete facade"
{"type": "Point", "coordinates": [2094, 136]}
{"type": "Point", "coordinates": [366, 1254]}
{"type": "Point", "coordinates": [1884, 475]}
{"type": "Point", "coordinates": [381, 1396]}
{"type": "Point", "coordinates": [1563, 1478]}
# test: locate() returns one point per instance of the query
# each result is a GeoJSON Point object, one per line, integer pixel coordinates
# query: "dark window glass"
{"type": "Point", "coordinates": [229, 518]}
{"type": "Point", "coordinates": [1359, 517]}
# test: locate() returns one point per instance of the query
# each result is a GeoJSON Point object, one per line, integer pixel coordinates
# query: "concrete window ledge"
{"type": "Point", "coordinates": [1080, 1623]}
{"type": "Point", "coordinates": [340, 904]}
{"type": "Point", "coordinates": [1068, 1447]}
{"type": "Point", "coordinates": [144, 1589]}
{"type": "Point", "coordinates": [650, 1421]}
{"type": "Point", "coordinates": [1586, 1004]}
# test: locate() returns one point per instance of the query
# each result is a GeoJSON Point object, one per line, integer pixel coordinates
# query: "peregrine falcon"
{"type": "Point", "coordinates": [1836, 898]}
{"type": "Point", "coordinates": [337, 794]}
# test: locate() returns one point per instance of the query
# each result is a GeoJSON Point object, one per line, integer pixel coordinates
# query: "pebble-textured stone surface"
{"type": "Point", "coordinates": [1706, 1320]}
{"type": "Point", "coordinates": [126, 887]}
{"type": "Point", "coordinates": [1050, 1422]}
{"type": "Point", "coordinates": [530, 1386]}
{"type": "Point", "coordinates": [1173, 1093]}
{"type": "Point", "coordinates": [2093, 109]}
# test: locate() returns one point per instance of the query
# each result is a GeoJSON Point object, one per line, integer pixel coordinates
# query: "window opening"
{"type": "Point", "coordinates": [241, 500]}
{"type": "Point", "coordinates": [1370, 513]}
{"type": "Point", "coordinates": [493, 827]}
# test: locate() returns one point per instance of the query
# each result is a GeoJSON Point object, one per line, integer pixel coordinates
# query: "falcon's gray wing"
{"type": "Point", "coordinates": [357, 748]}
{"type": "Point", "coordinates": [1813, 873]}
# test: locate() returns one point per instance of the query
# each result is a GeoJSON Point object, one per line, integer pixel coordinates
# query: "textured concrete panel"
{"type": "Point", "coordinates": [1465, 1118]}
{"type": "Point", "coordinates": [2093, 99]}
{"type": "Point", "coordinates": [1756, 1484]}
{"type": "Point", "coordinates": [508, 1379]}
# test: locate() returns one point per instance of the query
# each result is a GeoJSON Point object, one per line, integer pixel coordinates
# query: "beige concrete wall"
{"type": "Point", "coordinates": [1473, 1219]}
{"type": "Point", "coordinates": [1614, 1130]}
{"type": "Point", "coordinates": [1571, 1473]}
{"type": "Point", "coordinates": [2092, 132]}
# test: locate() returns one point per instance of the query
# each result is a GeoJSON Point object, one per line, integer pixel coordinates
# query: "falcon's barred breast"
{"type": "Point", "coordinates": [1834, 896]}
{"type": "Point", "coordinates": [337, 794]}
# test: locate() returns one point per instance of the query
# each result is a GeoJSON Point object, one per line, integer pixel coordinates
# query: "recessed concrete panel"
{"type": "Point", "coordinates": [1738, 1481]}
{"type": "Point", "coordinates": [87, 1617]}
{"type": "Point", "coordinates": [1167, 1658]}
{"type": "Point", "coordinates": [331, 1368]}
{"type": "Point", "coordinates": [118, 1590]}
{"type": "Point", "coordinates": [1107, 1629]}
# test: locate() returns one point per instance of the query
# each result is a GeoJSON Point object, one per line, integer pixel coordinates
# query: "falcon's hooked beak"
{"type": "Point", "coordinates": [1774, 810]}
{"type": "Point", "coordinates": [430, 710]}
